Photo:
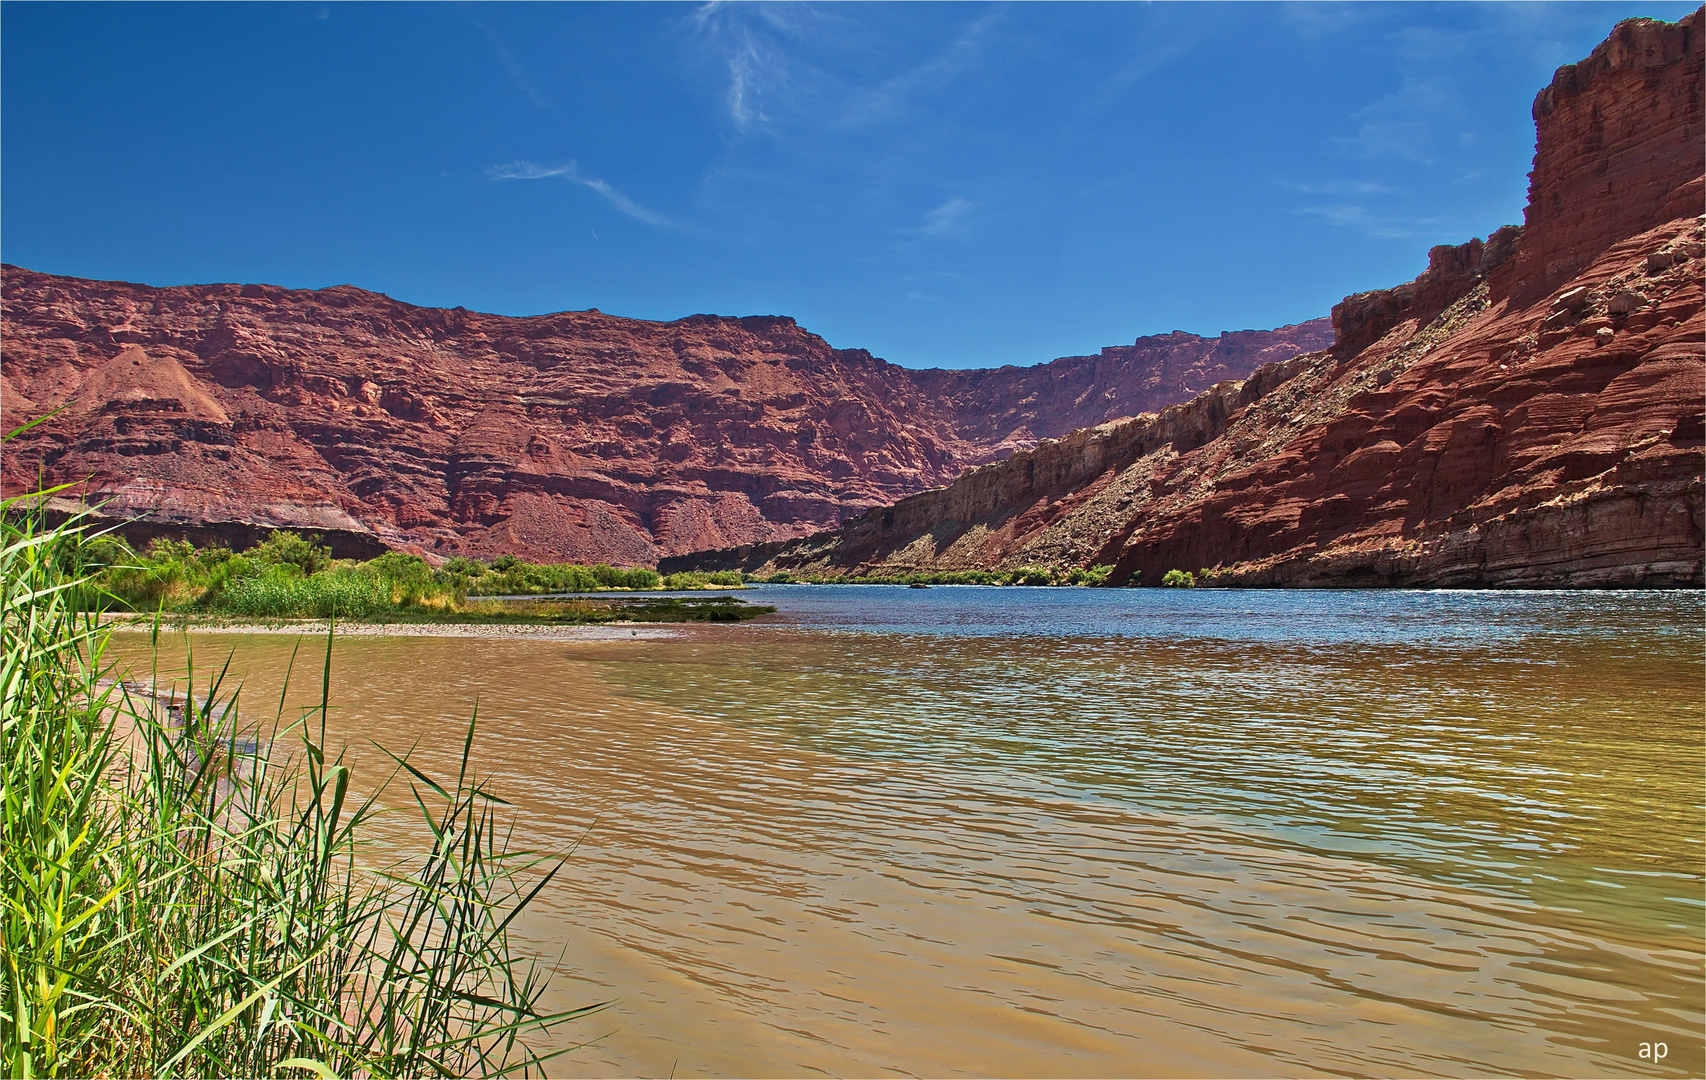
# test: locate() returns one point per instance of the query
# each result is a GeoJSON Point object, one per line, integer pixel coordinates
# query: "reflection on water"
{"type": "Point", "coordinates": [1072, 832]}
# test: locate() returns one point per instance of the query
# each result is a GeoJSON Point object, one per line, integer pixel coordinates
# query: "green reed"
{"type": "Point", "coordinates": [321, 596]}
{"type": "Point", "coordinates": [288, 575]}
{"type": "Point", "coordinates": [185, 896]}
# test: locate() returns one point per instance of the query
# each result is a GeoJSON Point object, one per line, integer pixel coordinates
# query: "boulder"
{"type": "Point", "coordinates": [1625, 301]}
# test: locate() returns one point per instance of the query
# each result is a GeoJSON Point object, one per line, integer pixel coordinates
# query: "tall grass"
{"type": "Point", "coordinates": [184, 896]}
{"type": "Point", "coordinates": [291, 576]}
{"type": "Point", "coordinates": [322, 596]}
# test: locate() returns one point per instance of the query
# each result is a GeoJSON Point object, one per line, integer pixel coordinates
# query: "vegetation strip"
{"type": "Point", "coordinates": [288, 576]}
{"type": "Point", "coordinates": [186, 895]}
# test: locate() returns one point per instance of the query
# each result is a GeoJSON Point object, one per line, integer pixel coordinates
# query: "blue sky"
{"type": "Point", "coordinates": [951, 185]}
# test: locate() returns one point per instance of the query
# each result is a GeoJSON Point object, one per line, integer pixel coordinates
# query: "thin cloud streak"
{"type": "Point", "coordinates": [1362, 219]}
{"type": "Point", "coordinates": [895, 95]}
{"type": "Point", "coordinates": [945, 220]}
{"type": "Point", "coordinates": [517, 74]}
{"type": "Point", "coordinates": [1340, 187]}
{"type": "Point", "coordinates": [753, 68]}
{"type": "Point", "coordinates": [744, 66]}
{"type": "Point", "coordinates": [766, 51]}
{"type": "Point", "coordinates": [526, 170]}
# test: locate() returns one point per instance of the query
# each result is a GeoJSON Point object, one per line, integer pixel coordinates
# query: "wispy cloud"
{"type": "Point", "coordinates": [1369, 222]}
{"type": "Point", "coordinates": [526, 170]}
{"type": "Point", "coordinates": [757, 67]}
{"type": "Point", "coordinates": [517, 74]}
{"type": "Point", "coordinates": [829, 65]}
{"type": "Point", "coordinates": [1147, 56]}
{"type": "Point", "coordinates": [1340, 187]}
{"type": "Point", "coordinates": [1414, 123]}
{"type": "Point", "coordinates": [895, 95]}
{"type": "Point", "coordinates": [947, 219]}
{"type": "Point", "coordinates": [1321, 20]}
{"type": "Point", "coordinates": [1353, 207]}
{"type": "Point", "coordinates": [744, 98]}
{"type": "Point", "coordinates": [1404, 139]}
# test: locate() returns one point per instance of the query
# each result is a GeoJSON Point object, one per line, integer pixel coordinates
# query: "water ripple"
{"type": "Point", "coordinates": [1066, 832]}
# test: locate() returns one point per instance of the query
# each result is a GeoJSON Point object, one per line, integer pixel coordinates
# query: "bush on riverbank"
{"type": "Point", "coordinates": [289, 576]}
{"type": "Point", "coordinates": [183, 896]}
{"type": "Point", "coordinates": [697, 579]}
{"type": "Point", "coordinates": [509, 575]}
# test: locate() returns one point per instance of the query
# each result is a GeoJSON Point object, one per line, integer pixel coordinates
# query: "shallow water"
{"type": "Point", "coordinates": [1093, 832]}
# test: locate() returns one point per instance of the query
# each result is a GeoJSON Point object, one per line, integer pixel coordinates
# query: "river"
{"type": "Point", "coordinates": [1073, 832]}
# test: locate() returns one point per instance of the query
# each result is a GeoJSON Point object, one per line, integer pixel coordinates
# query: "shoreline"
{"type": "Point", "coordinates": [320, 627]}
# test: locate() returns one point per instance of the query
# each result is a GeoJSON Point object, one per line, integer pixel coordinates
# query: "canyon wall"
{"type": "Point", "coordinates": [218, 411]}
{"type": "Point", "coordinates": [1527, 412]}
{"type": "Point", "coordinates": [1618, 151]}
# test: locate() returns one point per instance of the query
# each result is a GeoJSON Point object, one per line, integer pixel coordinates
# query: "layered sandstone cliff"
{"type": "Point", "coordinates": [220, 410]}
{"type": "Point", "coordinates": [1528, 411]}
{"type": "Point", "coordinates": [1618, 151]}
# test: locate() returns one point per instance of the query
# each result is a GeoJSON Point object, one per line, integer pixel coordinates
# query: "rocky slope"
{"type": "Point", "coordinates": [219, 410]}
{"type": "Point", "coordinates": [1528, 411]}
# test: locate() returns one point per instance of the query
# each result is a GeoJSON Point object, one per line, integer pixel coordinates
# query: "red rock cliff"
{"type": "Point", "coordinates": [570, 436]}
{"type": "Point", "coordinates": [1617, 151]}
{"type": "Point", "coordinates": [1528, 411]}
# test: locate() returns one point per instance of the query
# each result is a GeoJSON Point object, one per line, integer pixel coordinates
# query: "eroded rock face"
{"type": "Point", "coordinates": [1361, 320]}
{"type": "Point", "coordinates": [1618, 151]}
{"type": "Point", "coordinates": [1527, 412]}
{"type": "Point", "coordinates": [574, 436]}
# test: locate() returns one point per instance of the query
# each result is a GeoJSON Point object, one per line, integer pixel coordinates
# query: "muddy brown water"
{"type": "Point", "coordinates": [1061, 832]}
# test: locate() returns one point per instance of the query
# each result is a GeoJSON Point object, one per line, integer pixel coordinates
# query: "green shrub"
{"type": "Point", "coordinates": [524, 578]}
{"type": "Point", "coordinates": [641, 577]}
{"type": "Point", "coordinates": [399, 567]}
{"type": "Point", "coordinates": [168, 573]}
{"type": "Point", "coordinates": [612, 577]}
{"type": "Point", "coordinates": [1094, 576]}
{"type": "Point", "coordinates": [459, 571]}
{"type": "Point", "coordinates": [236, 568]}
{"type": "Point", "coordinates": [285, 548]}
{"type": "Point", "coordinates": [163, 552]}
{"type": "Point", "coordinates": [699, 579]}
{"type": "Point", "coordinates": [1178, 579]}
